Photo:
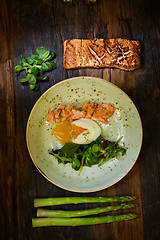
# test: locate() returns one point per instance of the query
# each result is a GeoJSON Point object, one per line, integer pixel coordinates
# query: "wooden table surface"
{"type": "Point", "coordinates": [24, 25]}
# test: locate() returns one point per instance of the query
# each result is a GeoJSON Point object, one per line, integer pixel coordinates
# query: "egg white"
{"type": "Point", "coordinates": [91, 134]}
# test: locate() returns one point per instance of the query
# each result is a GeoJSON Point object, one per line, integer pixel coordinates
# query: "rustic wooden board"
{"type": "Point", "coordinates": [24, 25]}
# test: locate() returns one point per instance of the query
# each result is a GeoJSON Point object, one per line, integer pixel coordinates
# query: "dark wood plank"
{"type": "Point", "coordinates": [24, 25]}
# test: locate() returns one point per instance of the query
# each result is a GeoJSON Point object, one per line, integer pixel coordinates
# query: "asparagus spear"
{"type": "Point", "coordinates": [75, 200]}
{"type": "Point", "coordinates": [79, 213]}
{"type": "Point", "coordinates": [42, 222]}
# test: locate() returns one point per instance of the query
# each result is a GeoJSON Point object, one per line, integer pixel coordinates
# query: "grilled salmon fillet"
{"type": "Point", "coordinates": [114, 53]}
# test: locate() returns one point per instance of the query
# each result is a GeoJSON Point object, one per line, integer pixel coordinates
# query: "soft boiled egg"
{"type": "Point", "coordinates": [82, 131]}
{"type": "Point", "coordinates": [91, 133]}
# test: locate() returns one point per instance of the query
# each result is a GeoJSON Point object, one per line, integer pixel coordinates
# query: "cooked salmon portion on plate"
{"type": "Point", "coordinates": [88, 110]}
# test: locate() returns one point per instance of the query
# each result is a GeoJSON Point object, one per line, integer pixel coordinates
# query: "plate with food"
{"type": "Point", "coordinates": [84, 134]}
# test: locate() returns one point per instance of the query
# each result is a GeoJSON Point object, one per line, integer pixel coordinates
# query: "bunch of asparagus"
{"type": "Point", "coordinates": [73, 218]}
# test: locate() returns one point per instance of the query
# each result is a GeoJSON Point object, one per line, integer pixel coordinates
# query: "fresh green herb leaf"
{"type": "Point", "coordinates": [34, 70]}
{"type": "Point", "coordinates": [38, 63]}
{"type": "Point", "coordinates": [23, 62]}
{"type": "Point", "coordinates": [80, 109]}
{"type": "Point", "coordinates": [47, 66]}
{"type": "Point", "coordinates": [31, 79]}
{"type": "Point", "coordinates": [42, 78]}
{"type": "Point", "coordinates": [32, 86]}
{"type": "Point", "coordinates": [22, 80]}
{"type": "Point", "coordinates": [69, 148]}
{"type": "Point", "coordinates": [61, 116]}
{"type": "Point", "coordinates": [18, 68]}
{"type": "Point", "coordinates": [40, 51]}
{"type": "Point", "coordinates": [34, 57]}
{"type": "Point", "coordinates": [58, 110]}
{"type": "Point", "coordinates": [62, 159]}
{"type": "Point", "coordinates": [52, 54]}
{"type": "Point", "coordinates": [75, 163]}
{"type": "Point", "coordinates": [36, 60]}
{"type": "Point", "coordinates": [45, 56]}
{"type": "Point", "coordinates": [96, 148]}
{"type": "Point", "coordinates": [30, 60]}
{"type": "Point", "coordinates": [50, 57]}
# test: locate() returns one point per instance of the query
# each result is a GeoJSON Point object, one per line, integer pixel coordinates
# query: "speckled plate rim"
{"type": "Point", "coordinates": [69, 189]}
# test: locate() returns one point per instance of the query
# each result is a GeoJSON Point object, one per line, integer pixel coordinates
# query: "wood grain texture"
{"type": "Point", "coordinates": [24, 25]}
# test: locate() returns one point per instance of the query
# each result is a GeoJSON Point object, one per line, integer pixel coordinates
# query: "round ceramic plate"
{"type": "Point", "coordinates": [124, 122]}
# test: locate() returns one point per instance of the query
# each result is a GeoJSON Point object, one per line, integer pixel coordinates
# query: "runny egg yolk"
{"type": "Point", "coordinates": [65, 131]}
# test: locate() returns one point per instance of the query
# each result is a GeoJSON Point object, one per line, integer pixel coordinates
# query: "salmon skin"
{"type": "Point", "coordinates": [99, 53]}
{"type": "Point", "coordinates": [94, 111]}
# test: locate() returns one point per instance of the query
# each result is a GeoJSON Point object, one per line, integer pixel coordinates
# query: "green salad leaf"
{"type": "Point", "coordinates": [96, 152]}
{"type": "Point", "coordinates": [34, 66]}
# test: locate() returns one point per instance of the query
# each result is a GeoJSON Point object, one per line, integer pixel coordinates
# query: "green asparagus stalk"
{"type": "Point", "coordinates": [42, 202]}
{"type": "Point", "coordinates": [42, 222]}
{"type": "Point", "coordinates": [79, 213]}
